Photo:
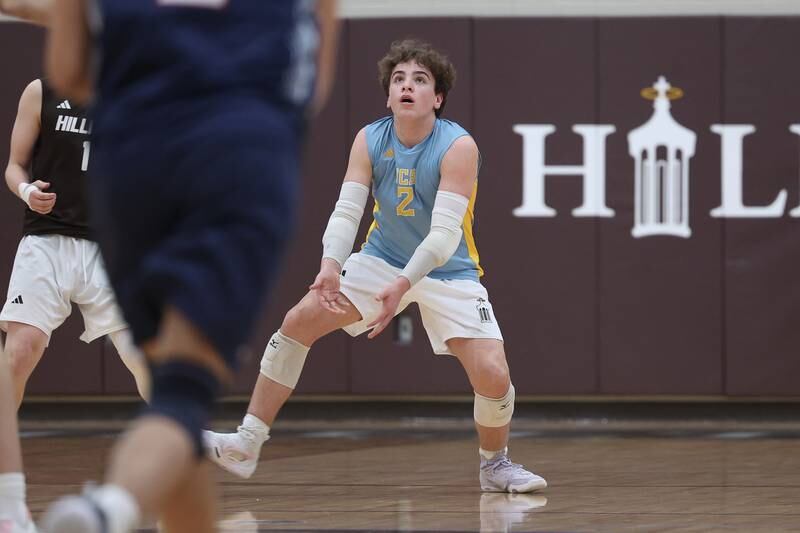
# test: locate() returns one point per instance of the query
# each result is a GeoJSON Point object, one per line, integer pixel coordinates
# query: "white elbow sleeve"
{"type": "Point", "coordinates": [443, 240]}
{"type": "Point", "coordinates": [337, 242]}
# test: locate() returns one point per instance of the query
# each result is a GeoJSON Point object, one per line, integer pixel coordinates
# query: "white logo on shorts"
{"type": "Point", "coordinates": [483, 311]}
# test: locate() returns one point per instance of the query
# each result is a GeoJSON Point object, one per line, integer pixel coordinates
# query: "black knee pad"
{"type": "Point", "coordinates": [185, 393]}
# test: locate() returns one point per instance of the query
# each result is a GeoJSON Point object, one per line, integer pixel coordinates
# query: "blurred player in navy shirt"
{"type": "Point", "coordinates": [198, 117]}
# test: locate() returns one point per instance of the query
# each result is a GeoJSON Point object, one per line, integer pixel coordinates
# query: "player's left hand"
{"type": "Point", "coordinates": [390, 298]}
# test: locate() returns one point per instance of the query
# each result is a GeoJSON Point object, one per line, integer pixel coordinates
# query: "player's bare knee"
{"type": "Point", "coordinates": [19, 365]}
{"type": "Point", "coordinates": [305, 322]}
{"type": "Point", "coordinates": [294, 318]}
{"type": "Point", "coordinates": [489, 373]}
{"type": "Point", "coordinates": [23, 352]}
{"type": "Point", "coordinates": [25, 339]}
{"type": "Point", "coordinates": [494, 379]}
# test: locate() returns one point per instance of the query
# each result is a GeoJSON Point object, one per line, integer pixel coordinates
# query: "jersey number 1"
{"type": "Point", "coordinates": [87, 147]}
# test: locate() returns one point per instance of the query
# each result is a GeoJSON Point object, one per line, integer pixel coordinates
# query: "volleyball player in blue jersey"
{"type": "Point", "coordinates": [422, 170]}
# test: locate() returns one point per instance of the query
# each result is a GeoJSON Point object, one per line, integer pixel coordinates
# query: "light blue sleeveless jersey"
{"type": "Point", "coordinates": [404, 184]}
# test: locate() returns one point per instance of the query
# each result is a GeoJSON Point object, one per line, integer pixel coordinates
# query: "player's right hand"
{"type": "Point", "coordinates": [39, 201]}
{"type": "Point", "coordinates": [326, 288]}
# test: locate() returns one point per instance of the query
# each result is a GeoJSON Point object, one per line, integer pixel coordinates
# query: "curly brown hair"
{"type": "Point", "coordinates": [444, 73]}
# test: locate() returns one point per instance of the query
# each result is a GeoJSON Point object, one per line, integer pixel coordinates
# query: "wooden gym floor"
{"type": "Point", "coordinates": [412, 474]}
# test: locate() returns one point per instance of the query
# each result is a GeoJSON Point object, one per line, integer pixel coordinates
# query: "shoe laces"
{"type": "Point", "coordinates": [502, 463]}
{"type": "Point", "coordinates": [246, 435]}
{"type": "Point", "coordinates": [249, 436]}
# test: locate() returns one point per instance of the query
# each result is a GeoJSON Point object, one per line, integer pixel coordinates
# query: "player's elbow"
{"type": "Point", "coordinates": [70, 82]}
{"type": "Point", "coordinates": [78, 91]}
{"type": "Point", "coordinates": [12, 7]}
{"type": "Point", "coordinates": [25, 11]}
{"type": "Point", "coordinates": [9, 182]}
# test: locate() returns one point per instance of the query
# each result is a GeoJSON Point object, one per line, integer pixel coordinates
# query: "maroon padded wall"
{"type": "Point", "coordinates": [585, 307]}
{"type": "Point", "coordinates": [660, 312]}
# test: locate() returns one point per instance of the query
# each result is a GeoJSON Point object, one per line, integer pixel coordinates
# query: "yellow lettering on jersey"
{"type": "Point", "coordinates": [406, 176]}
{"type": "Point", "coordinates": [406, 179]}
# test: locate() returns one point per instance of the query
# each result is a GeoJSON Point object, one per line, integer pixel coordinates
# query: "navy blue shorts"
{"type": "Point", "coordinates": [197, 221]}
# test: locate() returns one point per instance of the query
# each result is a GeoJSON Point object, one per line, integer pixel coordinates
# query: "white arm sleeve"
{"type": "Point", "coordinates": [339, 236]}
{"type": "Point", "coordinates": [443, 240]}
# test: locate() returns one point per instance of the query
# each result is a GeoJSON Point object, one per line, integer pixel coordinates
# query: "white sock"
{"type": "Point", "coordinates": [119, 506]}
{"type": "Point", "coordinates": [254, 430]}
{"type": "Point", "coordinates": [12, 497]}
{"type": "Point", "coordinates": [12, 486]}
{"type": "Point", "coordinates": [491, 455]}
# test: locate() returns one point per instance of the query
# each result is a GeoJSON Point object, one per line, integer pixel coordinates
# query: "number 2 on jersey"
{"type": "Point", "coordinates": [406, 194]}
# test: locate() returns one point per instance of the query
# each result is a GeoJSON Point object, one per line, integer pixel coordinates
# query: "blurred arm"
{"type": "Point", "coordinates": [35, 11]}
{"type": "Point", "coordinates": [326, 60]}
{"type": "Point", "coordinates": [67, 58]}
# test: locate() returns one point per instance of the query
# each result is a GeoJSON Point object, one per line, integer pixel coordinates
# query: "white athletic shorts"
{"type": "Point", "coordinates": [456, 308]}
{"type": "Point", "coordinates": [52, 271]}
